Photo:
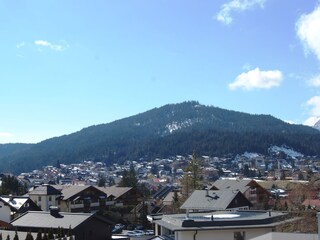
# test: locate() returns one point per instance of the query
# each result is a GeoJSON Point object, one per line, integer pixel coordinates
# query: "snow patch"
{"type": "Point", "coordinates": [288, 151]}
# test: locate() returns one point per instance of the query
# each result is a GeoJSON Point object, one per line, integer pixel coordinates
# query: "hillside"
{"type": "Point", "coordinates": [166, 131]}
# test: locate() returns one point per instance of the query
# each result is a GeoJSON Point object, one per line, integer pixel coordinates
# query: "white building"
{"type": "Point", "coordinates": [222, 225]}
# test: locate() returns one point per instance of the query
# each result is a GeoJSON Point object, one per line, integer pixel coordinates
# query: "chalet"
{"type": "Point", "coordinates": [209, 200]}
{"type": "Point", "coordinates": [81, 198]}
{"type": "Point", "coordinates": [256, 194]}
{"type": "Point", "coordinates": [69, 198]}
{"type": "Point", "coordinates": [11, 207]}
{"type": "Point", "coordinates": [122, 196]}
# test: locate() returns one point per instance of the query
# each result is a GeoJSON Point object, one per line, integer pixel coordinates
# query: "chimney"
{"type": "Point", "coordinates": [54, 211]}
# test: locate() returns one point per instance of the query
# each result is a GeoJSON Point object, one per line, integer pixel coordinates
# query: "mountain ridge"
{"type": "Point", "coordinates": [173, 129]}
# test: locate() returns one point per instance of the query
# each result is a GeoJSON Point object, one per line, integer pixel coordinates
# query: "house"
{"type": "Point", "coordinates": [256, 194]}
{"type": "Point", "coordinates": [44, 196]}
{"type": "Point", "coordinates": [84, 226]}
{"type": "Point", "coordinates": [162, 199]}
{"type": "Point", "coordinates": [11, 207]}
{"type": "Point", "coordinates": [223, 225]}
{"type": "Point", "coordinates": [81, 198]}
{"type": "Point", "coordinates": [209, 200]}
{"type": "Point", "coordinates": [122, 196]}
{"type": "Point", "coordinates": [69, 198]}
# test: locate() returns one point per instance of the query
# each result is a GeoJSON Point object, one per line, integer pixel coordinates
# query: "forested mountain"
{"type": "Point", "coordinates": [167, 131]}
{"type": "Point", "coordinates": [8, 149]}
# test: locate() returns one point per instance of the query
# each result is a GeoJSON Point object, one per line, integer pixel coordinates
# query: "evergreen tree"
{"type": "Point", "coordinates": [16, 237]}
{"type": "Point", "coordinates": [50, 234]}
{"type": "Point", "coordinates": [129, 178]}
{"type": "Point", "coordinates": [11, 185]}
{"type": "Point", "coordinates": [29, 236]}
{"type": "Point", "coordinates": [192, 178]}
{"type": "Point", "coordinates": [39, 235]}
{"type": "Point", "coordinates": [176, 202]}
{"type": "Point", "coordinates": [101, 180]}
{"type": "Point", "coordinates": [69, 231]}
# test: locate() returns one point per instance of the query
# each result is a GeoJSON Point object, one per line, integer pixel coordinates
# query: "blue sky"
{"type": "Point", "coordinates": [66, 65]}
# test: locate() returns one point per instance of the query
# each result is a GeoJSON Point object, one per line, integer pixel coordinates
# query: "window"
{"type": "Point", "coordinates": [39, 199]}
{"type": "Point", "coordinates": [50, 198]}
{"type": "Point", "coordinates": [239, 236]}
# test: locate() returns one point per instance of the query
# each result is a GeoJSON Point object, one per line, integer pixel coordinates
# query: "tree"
{"type": "Point", "coordinates": [29, 236]}
{"type": "Point", "coordinates": [16, 237]}
{"type": "Point", "coordinates": [111, 181]}
{"type": "Point", "coordinates": [176, 202]}
{"type": "Point", "coordinates": [129, 178]}
{"type": "Point", "coordinates": [50, 234]}
{"type": "Point", "coordinates": [191, 179]}
{"type": "Point", "coordinates": [11, 185]}
{"type": "Point", "coordinates": [39, 235]}
{"type": "Point", "coordinates": [101, 180]}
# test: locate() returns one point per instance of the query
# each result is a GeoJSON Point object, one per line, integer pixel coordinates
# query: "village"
{"type": "Point", "coordinates": [138, 199]}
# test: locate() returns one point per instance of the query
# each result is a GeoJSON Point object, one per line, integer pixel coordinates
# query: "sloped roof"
{"type": "Point", "coordinates": [163, 192]}
{"type": "Point", "coordinates": [68, 191]}
{"type": "Point", "coordinates": [14, 202]}
{"type": "Point", "coordinates": [45, 190]}
{"type": "Point", "coordinates": [210, 200]}
{"type": "Point", "coordinates": [241, 185]}
{"type": "Point", "coordinates": [115, 191]}
{"type": "Point", "coordinates": [40, 219]}
{"type": "Point", "coordinates": [72, 190]}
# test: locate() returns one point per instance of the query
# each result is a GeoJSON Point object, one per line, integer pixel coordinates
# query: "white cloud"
{"type": "Point", "coordinates": [315, 81]}
{"type": "Point", "coordinates": [314, 104]}
{"type": "Point", "coordinates": [308, 30]}
{"type": "Point", "coordinates": [224, 15]}
{"type": "Point", "coordinates": [54, 47]}
{"type": "Point", "coordinates": [255, 78]}
{"type": "Point", "coordinates": [5, 134]}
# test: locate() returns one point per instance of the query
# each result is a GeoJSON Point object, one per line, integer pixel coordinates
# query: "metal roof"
{"type": "Point", "coordinates": [40, 219]}
{"type": "Point", "coordinates": [210, 199]}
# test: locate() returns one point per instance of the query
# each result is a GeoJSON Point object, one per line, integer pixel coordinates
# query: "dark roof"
{"type": "Point", "coordinates": [241, 185]}
{"type": "Point", "coordinates": [115, 191]}
{"type": "Point", "coordinates": [163, 192]}
{"type": "Point", "coordinates": [211, 199]}
{"type": "Point", "coordinates": [45, 190]}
